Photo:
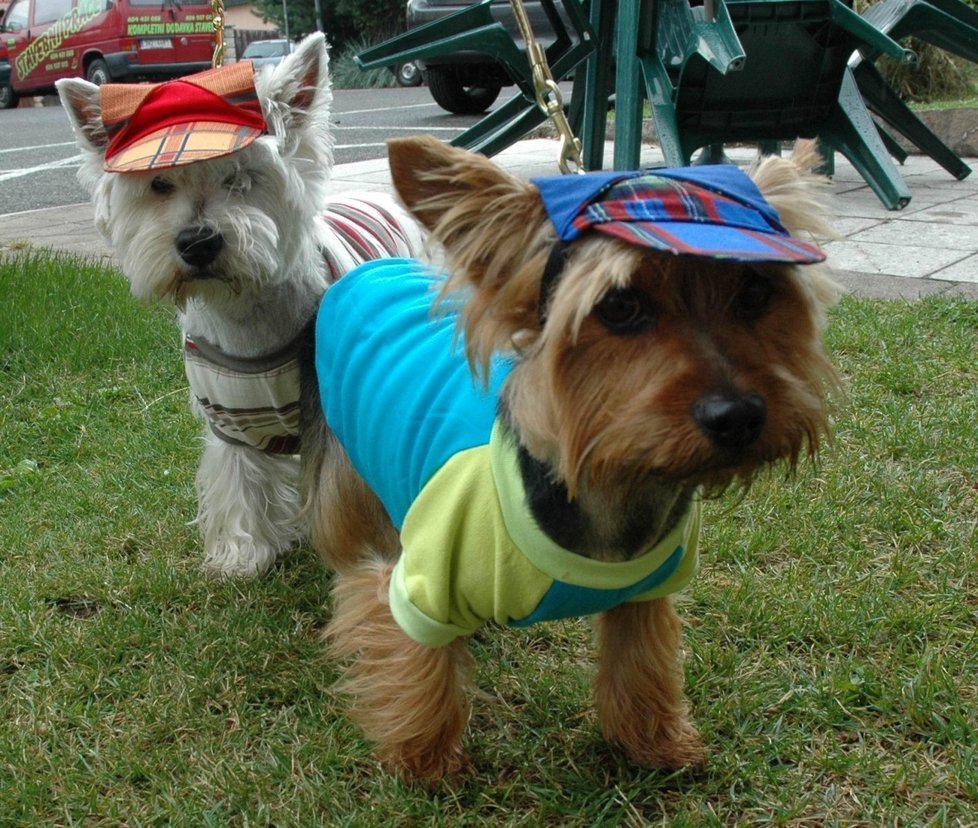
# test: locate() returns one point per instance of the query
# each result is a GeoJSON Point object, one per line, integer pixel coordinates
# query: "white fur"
{"type": "Point", "coordinates": [266, 202]}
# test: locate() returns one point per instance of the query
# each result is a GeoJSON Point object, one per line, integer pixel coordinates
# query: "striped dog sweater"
{"type": "Point", "coordinates": [255, 401]}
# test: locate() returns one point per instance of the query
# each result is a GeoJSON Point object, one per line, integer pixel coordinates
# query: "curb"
{"type": "Point", "coordinates": [958, 128]}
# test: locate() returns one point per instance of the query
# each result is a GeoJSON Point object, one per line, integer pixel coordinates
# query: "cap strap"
{"type": "Point", "coordinates": [551, 273]}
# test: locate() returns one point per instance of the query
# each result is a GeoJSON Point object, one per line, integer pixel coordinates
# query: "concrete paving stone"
{"type": "Point", "coordinates": [962, 212]}
{"type": "Point", "coordinates": [963, 290]}
{"type": "Point", "coordinates": [849, 204]}
{"type": "Point", "coordinates": [877, 286]}
{"type": "Point", "coordinates": [929, 248]}
{"type": "Point", "coordinates": [945, 189]}
{"type": "Point", "coordinates": [964, 270]}
{"type": "Point", "coordinates": [920, 233]}
{"type": "Point", "coordinates": [846, 226]}
{"type": "Point", "coordinates": [863, 202]}
{"type": "Point", "coordinates": [905, 260]}
{"type": "Point", "coordinates": [341, 185]}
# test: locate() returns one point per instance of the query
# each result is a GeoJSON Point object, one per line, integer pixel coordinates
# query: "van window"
{"type": "Point", "coordinates": [16, 16]}
{"type": "Point", "coordinates": [47, 11]}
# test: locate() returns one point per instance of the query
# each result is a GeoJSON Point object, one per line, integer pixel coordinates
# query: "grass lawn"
{"type": "Point", "coordinates": [832, 641]}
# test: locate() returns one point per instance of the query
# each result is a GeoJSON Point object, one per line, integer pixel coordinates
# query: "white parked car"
{"type": "Point", "coordinates": [267, 52]}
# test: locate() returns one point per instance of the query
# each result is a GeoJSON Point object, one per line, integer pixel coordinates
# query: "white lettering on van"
{"type": "Point", "coordinates": [50, 41]}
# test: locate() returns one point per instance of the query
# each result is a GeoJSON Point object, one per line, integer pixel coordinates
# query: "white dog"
{"type": "Point", "coordinates": [211, 191]}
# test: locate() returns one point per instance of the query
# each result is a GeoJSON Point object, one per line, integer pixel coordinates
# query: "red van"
{"type": "Point", "coordinates": [101, 40]}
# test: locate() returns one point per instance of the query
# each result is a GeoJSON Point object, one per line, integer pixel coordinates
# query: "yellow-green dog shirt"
{"type": "Point", "coordinates": [397, 391]}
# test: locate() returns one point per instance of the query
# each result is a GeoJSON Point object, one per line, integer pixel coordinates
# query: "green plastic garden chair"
{"type": "Point", "coordinates": [794, 83]}
{"type": "Point", "coordinates": [474, 29]}
{"type": "Point", "coordinates": [670, 32]}
{"type": "Point", "coordinates": [947, 24]}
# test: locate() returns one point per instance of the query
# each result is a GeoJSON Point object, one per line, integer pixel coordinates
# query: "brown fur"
{"type": "Point", "coordinates": [411, 701]}
{"type": "Point", "coordinates": [639, 688]}
{"type": "Point", "coordinates": [609, 416]}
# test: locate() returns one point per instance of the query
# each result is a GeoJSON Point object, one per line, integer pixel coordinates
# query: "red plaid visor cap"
{"type": "Point", "coordinates": [194, 118]}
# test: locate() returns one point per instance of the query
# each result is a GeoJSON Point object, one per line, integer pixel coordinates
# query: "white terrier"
{"type": "Point", "coordinates": [211, 191]}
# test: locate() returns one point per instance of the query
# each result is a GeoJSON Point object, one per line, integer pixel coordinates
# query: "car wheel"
{"type": "Point", "coordinates": [408, 74]}
{"type": "Point", "coordinates": [8, 98]}
{"type": "Point", "coordinates": [98, 72]}
{"type": "Point", "coordinates": [451, 94]}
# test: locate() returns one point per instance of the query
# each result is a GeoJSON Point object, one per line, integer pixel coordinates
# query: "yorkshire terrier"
{"type": "Point", "coordinates": [605, 351]}
{"type": "Point", "coordinates": [211, 191]}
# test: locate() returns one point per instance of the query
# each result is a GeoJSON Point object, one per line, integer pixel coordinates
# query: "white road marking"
{"type": "Point", "coordinates": [412, 129]}
{"type": "Point", "coordinates": [383, 109]}
{"type": "Point", "coordinates": [41, 146]}
{"type": "Point", "coordinates": [74, 161]}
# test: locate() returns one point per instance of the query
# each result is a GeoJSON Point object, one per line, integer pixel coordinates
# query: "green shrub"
{"type": "Point", "coordinates": [344, 21]}
{"type": "Point", "coordinates": [347, 75]}
{"type": "Point", "coordinates": [936, 76]}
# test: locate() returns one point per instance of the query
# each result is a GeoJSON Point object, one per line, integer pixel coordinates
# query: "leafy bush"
{"type": "Point", "coordinates": [344, 21]}
{"type": "Point", "coordinates": [935, 77]}
{"type": "Point", "coordinates": [347, 75]}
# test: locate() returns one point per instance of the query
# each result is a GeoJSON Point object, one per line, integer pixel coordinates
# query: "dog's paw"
{"type": "Point", "coordinates": [239, 557]}
{"type": "Point", "coordinates": [672, 748]}
{"type": "Point", "coordinates": [426, 767]}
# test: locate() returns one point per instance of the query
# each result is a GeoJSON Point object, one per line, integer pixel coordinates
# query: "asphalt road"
{"type": "Point", "coordinates": [39, 158]}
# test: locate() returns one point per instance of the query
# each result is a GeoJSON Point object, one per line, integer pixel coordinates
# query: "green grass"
{"type": "Point", "coordinates": [832, 648]}
{"type": "Point", "coordinates": [964, 103]}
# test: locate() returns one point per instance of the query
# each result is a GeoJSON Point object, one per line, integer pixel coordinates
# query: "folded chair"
{"type": "Point", "coordinates": [474, 29]}
{"type": "Point", "coordinates": [794, 83]}
{"type": "Point", "coordinates": [947, 24]}
{"type": "Point", "coordinates": [641, 43]}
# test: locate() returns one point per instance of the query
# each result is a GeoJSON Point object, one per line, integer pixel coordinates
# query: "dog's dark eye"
{"type": "Point", "coordinates": [161, 186]}
{"type": "Point", "coordinates": [238, 182]}
{"type": "Point", "coordinates": [625, 311]}
{"type": "Point", "coordinates": [753, 297]}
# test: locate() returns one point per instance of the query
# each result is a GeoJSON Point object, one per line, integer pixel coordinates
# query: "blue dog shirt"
{"type": "Point", "coordinates": [397, 391]}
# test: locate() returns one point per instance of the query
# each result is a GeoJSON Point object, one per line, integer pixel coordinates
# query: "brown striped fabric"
{"type": "Point", "coordinates": [255, 401]}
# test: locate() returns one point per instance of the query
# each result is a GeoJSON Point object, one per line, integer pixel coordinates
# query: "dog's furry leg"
{"type": "Point", "coordinates": [248, 507]}
{"type": "Point", "coordinates": [411, 701]}
{"type": "Point", "coordinates": [640, 686]}
{"type": "Point", "coordinates": [340, 535]}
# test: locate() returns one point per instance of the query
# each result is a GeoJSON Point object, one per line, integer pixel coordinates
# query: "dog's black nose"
{"type": "Point", "coordinates": [731, 420]}
{"type": "Point", "coordinates": [199, 246]}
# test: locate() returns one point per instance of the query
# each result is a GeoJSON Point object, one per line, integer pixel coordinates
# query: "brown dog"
{"type": "Point", "coordinates": [618, 382]}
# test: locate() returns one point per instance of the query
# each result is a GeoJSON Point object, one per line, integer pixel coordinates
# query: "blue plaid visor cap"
{"type": "Point", "coordinates": [714, 211]}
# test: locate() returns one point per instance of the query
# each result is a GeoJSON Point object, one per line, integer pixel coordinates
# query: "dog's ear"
{"type": "Point", "coordinates": [459, 194]}
{"type": "Point", "coordinates": [800, 195]}
{"type": "Point", "coordinates": [296, 93]}
{"type": "Point", "coordinates": [494, 230]}
{"type": "Point", "coordinates": [82, 102]}
{"type": "Point", "coordinates": [794, 189]}
{"type": "Point", "coordinates": [434, 178]}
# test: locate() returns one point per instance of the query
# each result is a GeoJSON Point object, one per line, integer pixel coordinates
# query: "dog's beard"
{"type": "Point", "coordinates": [251, 256]}
{"type": "Point", "coordinates": [253, 201]}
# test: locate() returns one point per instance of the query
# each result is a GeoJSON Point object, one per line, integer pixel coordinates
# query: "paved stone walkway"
{"type": "Point", "coordinates": [931, 247]}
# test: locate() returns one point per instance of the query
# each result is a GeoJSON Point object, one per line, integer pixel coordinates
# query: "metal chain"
{"type": "Point", "coordinates": [217, 8]}
{"type": "Point", "coordinates": [548, 95]}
